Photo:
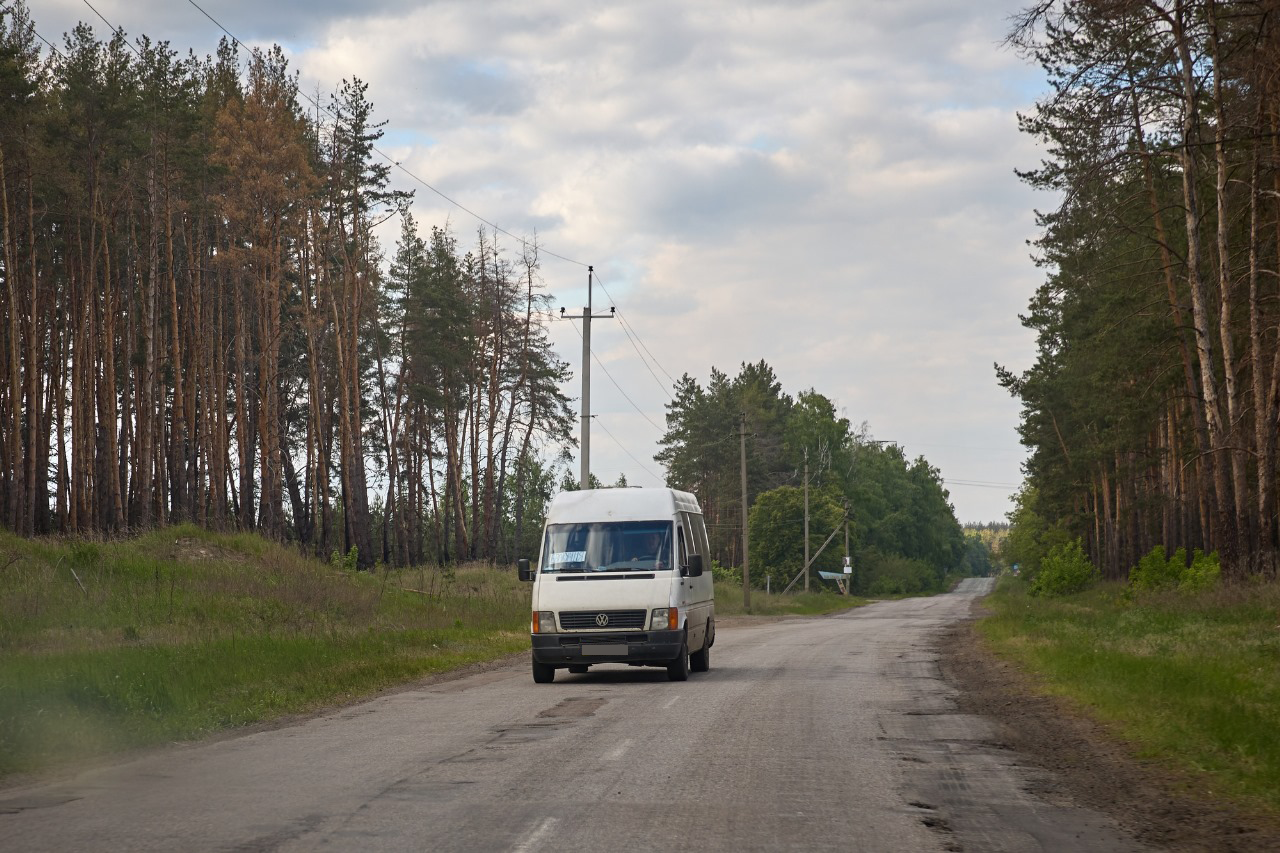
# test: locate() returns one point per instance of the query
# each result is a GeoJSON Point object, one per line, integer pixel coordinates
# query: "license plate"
{"type": "Point", "coordinates": [610, 649]}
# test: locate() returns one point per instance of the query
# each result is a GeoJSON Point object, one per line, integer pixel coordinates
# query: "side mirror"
{"type": "Point", "coordinates": [694, 567]}
{"type": "Point", "coordinates": [522, 567]}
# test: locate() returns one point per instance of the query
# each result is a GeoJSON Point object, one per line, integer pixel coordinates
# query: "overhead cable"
{"type": "Point", "coordinates": [600, 423]}
{"type": "Point", "coordinates": [117, 30]}
{"type": "Point", "coordinates": [396, 163]}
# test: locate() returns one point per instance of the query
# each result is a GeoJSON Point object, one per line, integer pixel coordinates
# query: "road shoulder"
{"type": "Point", "coordinates": [1159, 807]}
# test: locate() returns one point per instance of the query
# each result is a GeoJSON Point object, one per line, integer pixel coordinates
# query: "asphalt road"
{"type": "Point", "coordinates": [831, 733]}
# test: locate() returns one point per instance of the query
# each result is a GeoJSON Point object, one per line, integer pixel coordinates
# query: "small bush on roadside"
{"type": "Point", "coordinates": [726, 574]}
{"type": "Point", "coordinates": [1155, 571]}
{"type": "Point", "coordinates": [1203, 573]}
{"type": "Point", "coordinates": [347, 563]}
{"type": "Point", "coordinates": [890, 574]}
{"type": "Point", "coordinates": [1064, 570]}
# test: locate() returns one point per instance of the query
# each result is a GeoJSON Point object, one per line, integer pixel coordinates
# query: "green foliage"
{"type": "Point", "coordinates": [777, 534]}
{"type": "Point", "coordinates": [571, 482]}
{"type": "Point", "coordinates": [1154, 572]}
{"type": "Point", "coordinates": [1030, 536]}
{"type": "Point", "coordinates": [896, 505]}
{"type": "Point", "coordinates": [726, 574]}
{"type": "Point", "coordinates": [348, 562]}
{"type": "Point", "coordinates": [1203, 573]}
{"type": "Point", "coordinates": [1064, 571]}
{"type": "Point", "coordinates": [977, 561]}
{"type": "Point", "coordinates": [893, 574]}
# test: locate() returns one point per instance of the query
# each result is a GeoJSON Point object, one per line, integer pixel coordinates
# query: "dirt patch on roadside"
{"type": "Point", "coordinates": [1158, 806]}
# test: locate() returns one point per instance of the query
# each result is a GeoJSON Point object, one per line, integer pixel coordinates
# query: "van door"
{"type": "Point", "coordinates": [692, 596]}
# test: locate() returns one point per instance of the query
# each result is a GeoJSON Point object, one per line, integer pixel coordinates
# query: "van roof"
{"type": "Point", "coordinates": [620, 505]}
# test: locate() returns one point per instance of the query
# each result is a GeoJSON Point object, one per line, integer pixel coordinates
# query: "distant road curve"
{"type": "Point", "coordinates": [832, 733]}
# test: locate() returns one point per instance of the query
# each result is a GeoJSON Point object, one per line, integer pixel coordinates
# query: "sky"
{"type": "Point", "coordinates": [827, 186]}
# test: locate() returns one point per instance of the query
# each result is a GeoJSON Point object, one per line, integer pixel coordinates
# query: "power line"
{"type": "Point", "coordinates": [1008, 487]}
{"type": "Point", "coordinates": [600, 424]}
{"type": "Point", "coordinates": [52, 46]}
{"type": "Point", "coordinates": [396, 163]}
{"type": "Point", "coordinates": [630, 330]}
{"type": "Point", "coordinates": [619, 387]}
{"type": "Point", "coordinates": [626, 325]}
{"type": "Point", "coordinates": [627, 332]}
{"type": "Point", "coordinates": [117, 30]}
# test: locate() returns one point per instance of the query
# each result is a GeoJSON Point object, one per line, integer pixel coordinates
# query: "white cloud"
{"type": "Point", "coordinates": [827, 186]}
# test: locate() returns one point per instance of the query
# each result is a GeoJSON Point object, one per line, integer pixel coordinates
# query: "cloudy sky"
{"type": "Point", "coordinates": [827, 186]}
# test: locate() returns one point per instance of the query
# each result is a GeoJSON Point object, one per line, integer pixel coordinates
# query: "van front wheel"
{"type": "Point", "coordinates": [543, 673]}
{"type": "Point", "coordinates": [678, 669]}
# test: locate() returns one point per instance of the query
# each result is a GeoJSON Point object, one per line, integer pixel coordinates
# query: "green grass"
{"type": "Point", "coordinates": [1192, 681]}
{"type": "Point", "coordinates": [182, 632]}
{"type": "Point", "coordinates": [729, 602]}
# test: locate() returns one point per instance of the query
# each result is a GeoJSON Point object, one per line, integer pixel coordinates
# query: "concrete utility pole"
{"type": "Point", "coordinates": [848, 589]}
{"type": "Point", "coordinates": [746, 559]}
{"type": "Point", "coordinates": [587, 317]}
{"type": "Point", "coordinates": [806, 521]}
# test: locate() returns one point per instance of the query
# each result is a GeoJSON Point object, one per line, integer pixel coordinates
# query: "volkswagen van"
{"type": "Point", "coordinates": [622, 578]}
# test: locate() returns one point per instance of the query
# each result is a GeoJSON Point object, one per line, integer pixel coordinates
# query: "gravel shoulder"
{"type": "Point", "coordinates": [1158, 806]}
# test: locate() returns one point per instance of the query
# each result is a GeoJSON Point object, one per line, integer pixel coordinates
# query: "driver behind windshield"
{"type": "Point", "coordinates": [649, 548]}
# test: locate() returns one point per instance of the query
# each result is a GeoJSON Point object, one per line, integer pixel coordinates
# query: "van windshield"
{"type": "Point", "coordinates": [607, 546]}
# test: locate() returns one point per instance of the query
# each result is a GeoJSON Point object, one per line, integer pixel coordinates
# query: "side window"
{"type": "Point", "coordinates": [700, 544]}
{"type": "Point", "coordinates": [681, 549]}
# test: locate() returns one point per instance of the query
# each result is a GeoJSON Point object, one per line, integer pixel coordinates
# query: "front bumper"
{"type": "Point", "coordinates": [655, 648]}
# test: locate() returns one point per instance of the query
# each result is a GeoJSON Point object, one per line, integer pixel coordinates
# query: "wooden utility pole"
{"type": "Point", "coordinates": [746, 559]}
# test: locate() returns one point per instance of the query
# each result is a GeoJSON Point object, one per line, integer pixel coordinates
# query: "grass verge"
{"type": "Point", "coordinates": [1192, 681]}
{"type": "Point", "coordinates": [729, 602]}
{"type": "Point", "coordinates": [182, 632]}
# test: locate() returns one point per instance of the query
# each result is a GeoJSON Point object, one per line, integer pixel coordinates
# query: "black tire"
{"type": "Point", "coordinates": [543, 673]}
{"type": "Point", "coordinates": [700, 661]}
{"type": "Point", "coordinates": [578, 668]}
{"type": "Point", "coordinates": [678, 669]}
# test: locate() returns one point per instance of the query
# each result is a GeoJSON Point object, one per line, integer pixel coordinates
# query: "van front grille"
{"type": "Point", "coordinates": [590, 620]}
{"type": "Point", "coordinates": [603, 639]}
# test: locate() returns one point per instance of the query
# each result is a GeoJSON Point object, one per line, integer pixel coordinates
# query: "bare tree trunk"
{"type": "Point", "coordinates": [13, 474]}
{"type": "Point", "coordinates": [1225, 520]}
{"type": "Point", "coordinates": [1236, 457]}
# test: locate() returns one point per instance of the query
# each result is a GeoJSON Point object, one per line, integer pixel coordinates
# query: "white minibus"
{"type": "Point", "coordinates": [622, 578]}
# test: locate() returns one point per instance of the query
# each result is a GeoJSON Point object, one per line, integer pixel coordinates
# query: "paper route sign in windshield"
{"type": "Point", "coordinates": [568, 557]}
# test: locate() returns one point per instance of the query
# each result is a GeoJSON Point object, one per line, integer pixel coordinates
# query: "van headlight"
{"type": "Point", "coordinates": [544, 622]}
{"type": "Point", "coordinates": [664, 618]}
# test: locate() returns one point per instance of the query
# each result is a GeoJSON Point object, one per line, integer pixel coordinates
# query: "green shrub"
{"type": "Point", "coordinates": [1203, 572]}
{"type": "Point", "coordinates": [726, 574]}
{"type": "Point", "coordinates": [892, 574]}
{"type": "Point", "coordinates": [1155, 571]}
{"type": "Point", "coordinates": [1064, 570]}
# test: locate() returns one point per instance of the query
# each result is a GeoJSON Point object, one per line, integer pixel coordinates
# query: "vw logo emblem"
{"type": "Point", "coordinates": [602, 619]}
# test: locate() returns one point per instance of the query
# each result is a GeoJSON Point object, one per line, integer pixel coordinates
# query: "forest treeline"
{"type": "Point", "coordinates": [198, 323]}
{"type": "Point", "coordinates": [903, 532]}
{"type": "Point", "coordinates": [1153, 407]}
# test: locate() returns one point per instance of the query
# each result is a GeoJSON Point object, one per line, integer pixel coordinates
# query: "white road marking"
{"type": "Point", "coordinates": [674, 700]}
{"type": "Point", "coordinates": [618, 751]}
{"type": "Point", "coordinates": [530, 843]}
